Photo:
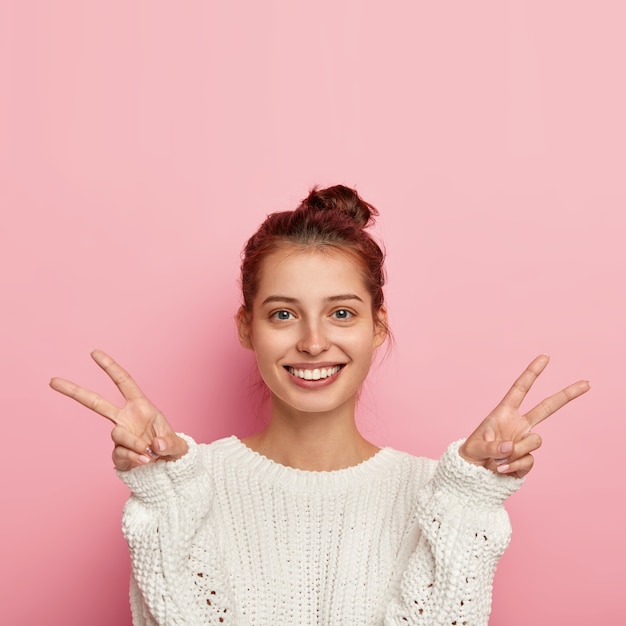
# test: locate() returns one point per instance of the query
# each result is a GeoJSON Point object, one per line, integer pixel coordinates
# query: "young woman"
{"type": "Point", "coordinates": [306, 522]}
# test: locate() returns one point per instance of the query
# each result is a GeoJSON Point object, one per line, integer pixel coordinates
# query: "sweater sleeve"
{"type": "Point", "coordinates": [464, 532]}
{"type": "Point", "coordinates": [177, 573]}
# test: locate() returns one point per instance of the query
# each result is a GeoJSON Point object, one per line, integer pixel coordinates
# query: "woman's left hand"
{"type": "Point", "coordinates": [504, 440]}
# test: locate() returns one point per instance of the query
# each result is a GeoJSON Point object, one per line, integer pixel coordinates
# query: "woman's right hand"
{"type": "Point", "coordinates": [141, 434]}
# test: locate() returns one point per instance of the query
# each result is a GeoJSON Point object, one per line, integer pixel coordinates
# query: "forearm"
{"type": "Point", "coordinates": [176, 568]}
{"type": "Point", "coordinates": [464, 531]}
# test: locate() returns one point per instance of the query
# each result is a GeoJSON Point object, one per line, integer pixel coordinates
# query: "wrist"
{"type": "Point", "coordinates": [470, 481]}
{"type": "Point", "coordinates": [468, 458]}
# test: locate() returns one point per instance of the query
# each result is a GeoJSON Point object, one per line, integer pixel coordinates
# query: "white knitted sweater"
{"type": "Point", "coordinates": [227, 536]}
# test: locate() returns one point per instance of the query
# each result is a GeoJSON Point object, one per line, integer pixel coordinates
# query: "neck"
{"type": "Point", "coordinates": [312, 441]}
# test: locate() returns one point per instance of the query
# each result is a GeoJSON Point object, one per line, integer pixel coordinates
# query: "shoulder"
{"type": "Point", "coordinates": [219, 445]}
{"type": "Point", "coordinates": [417, 470]}
{"type": "Point", "coordinates": [219, 451]}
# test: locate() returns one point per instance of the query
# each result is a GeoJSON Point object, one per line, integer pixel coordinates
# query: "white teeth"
{"type": "Point", "coordinates": [316, 374]}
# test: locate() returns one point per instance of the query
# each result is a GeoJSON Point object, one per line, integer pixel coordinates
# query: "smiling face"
{"type": "Point", "coordinates": [312, 330]}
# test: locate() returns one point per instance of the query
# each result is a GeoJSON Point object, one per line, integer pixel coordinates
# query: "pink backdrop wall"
{"type": "Point", "coordinates": [142, 142]}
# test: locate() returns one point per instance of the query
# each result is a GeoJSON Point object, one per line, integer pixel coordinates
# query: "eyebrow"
{"type": "Point", "coordinates": [338, 298]}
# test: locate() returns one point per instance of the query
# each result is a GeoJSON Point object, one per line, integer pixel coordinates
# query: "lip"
{"type": "Point", "coordinates": [313, 366]}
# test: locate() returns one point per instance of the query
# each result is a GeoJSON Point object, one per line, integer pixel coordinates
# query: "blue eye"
{"type": "Point", "coordinates": [342, 314]}
{"type": "Point", "coordinates": [282, 315]}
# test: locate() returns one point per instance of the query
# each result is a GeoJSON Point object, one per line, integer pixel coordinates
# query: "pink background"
{"type": "Point", "coordinates": [142, 142]}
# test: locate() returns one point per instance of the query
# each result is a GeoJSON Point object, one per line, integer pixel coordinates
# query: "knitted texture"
{"type": "Point", "coordinates": [227, 536]}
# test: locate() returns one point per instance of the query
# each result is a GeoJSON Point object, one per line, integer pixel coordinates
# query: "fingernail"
{"type": "Point", "coordinates": [503, 468]}
{"type": "Point", "coordinates": [506, 447]}
{"type": "Point", "coordinates": [152, 453]}
{"type": "Point", "coordinates": [160, 445]}
{"type": "Point", "coordinates": [144, 459]}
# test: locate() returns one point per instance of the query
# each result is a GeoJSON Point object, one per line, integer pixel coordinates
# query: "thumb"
{"type": "Point", "coordinates": [478, 451]}
{"type": "Point", "coordinates": [169, 445]}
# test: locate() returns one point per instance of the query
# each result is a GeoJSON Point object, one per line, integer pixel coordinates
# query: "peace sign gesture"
{"type": "Point", "coordinates": [504, 440]}
{"type": "Point", "coordinates": [141, 433]}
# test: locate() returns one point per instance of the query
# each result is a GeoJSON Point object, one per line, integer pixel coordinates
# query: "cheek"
{"type": "Point", "coordinates": [268, 346]}
{"type": "Point", "coordinates": [361, 348]}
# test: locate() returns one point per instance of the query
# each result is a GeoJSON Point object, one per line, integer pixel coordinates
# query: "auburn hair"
{"type": "Point", "coordinates": [334, 218]}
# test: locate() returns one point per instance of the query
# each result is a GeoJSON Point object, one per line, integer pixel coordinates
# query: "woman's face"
{"type": "Point", "coordinates": [312, 330]}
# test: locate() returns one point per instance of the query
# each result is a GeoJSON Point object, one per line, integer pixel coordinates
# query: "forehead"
{"type": "Point", "coordinates": [307, 274]}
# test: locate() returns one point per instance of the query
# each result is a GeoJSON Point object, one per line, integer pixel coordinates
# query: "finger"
{"type": "Point", "coordinates": [124, 438]}
{"type": "Point", "coordinates": [518, 468]}
{"type": "Point", "coordinates": [523, 447]}
{"type": "Point", "coordinates": [87, 398]}
{"type": "Point", "coordinates": [122, 379]}
{"type": "Point", "coordinates": [520, 387]}
{"type": "Point", "coordinates": [553, 403]}
{"type": "Point", "coordinates": [125, 459]}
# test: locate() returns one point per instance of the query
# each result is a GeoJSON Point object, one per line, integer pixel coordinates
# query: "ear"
{"type": "Point", "coordinates": [381, 328]}
{"type": "Point", "coordinates": [243, 328]}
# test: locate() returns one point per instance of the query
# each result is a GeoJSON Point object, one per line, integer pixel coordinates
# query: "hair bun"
{"type": "Point", "coordinates": [343, 199]}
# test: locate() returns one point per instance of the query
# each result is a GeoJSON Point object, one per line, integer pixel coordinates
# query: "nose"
{"type": "Point", "coordinates": [313, 340]}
